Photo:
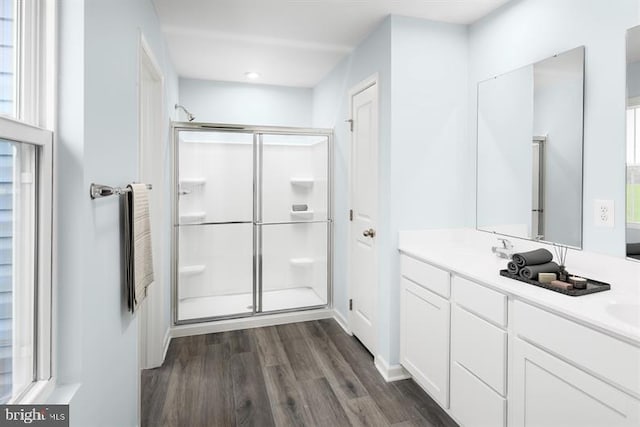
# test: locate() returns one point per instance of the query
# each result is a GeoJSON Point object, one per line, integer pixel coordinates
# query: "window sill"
{"type": "Point", "coordinates": [38, 392]}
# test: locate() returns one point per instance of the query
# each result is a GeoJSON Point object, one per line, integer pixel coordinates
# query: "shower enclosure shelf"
{"type": "Point", "coordinates": [301, 262]}
{"type": "Point", "coordinates": [301, 214]}
{"type": "Point", "coordinates": [192, 182]}
{"type": "Point", "coordinates": [194, 217]}
{"type": "Point", "coordinates": [192, 270]}
{"type": "Point", "coordinates": [302, 182]}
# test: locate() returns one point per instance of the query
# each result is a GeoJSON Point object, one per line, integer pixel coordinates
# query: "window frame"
{"type": "Point", "coordinates": [633, 105]}
{"type": "Point", "coordinates": [16, 131]}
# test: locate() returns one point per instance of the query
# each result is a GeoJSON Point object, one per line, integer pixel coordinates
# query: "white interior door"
{"type": "Point", "coordinates": [151, 164]}
{"type": "Point", "coordinates": [363, 267]}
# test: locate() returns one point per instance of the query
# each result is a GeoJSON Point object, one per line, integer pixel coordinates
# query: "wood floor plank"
{"type": "Point", "coordinates": [331, 327]}
{"type": "Point", "coordinates": [388, 398]}
{"type": "Point", "coordinates": [182, 400]}
{"type": "Point", "coordinates": [287, 404]}
{"type": "Point", "coordinates": [309, 373]}
{"type": "Point", "coordinates": [290, 331]}
{"type": "Point", "coordinates": [217, 387]}
{"type": "Point", "coordinates": [335, 368]}
{"type": "Point", "coordinates": [364, 412]}
{"type": "Point", "coordinates": [270, 347]}
{"type": "Point", "coordinates": [301, 358]}
{"type": "Point", "coordinates": [241, 341]}
{"type": "Point", "coordinates": [323, 404]}
{"type": "Point", "coordinates": [251, 399]}
{"type": "Point", "coordinates": [154, 391]}
{"type": "Point", "coordinates": [428, 408]}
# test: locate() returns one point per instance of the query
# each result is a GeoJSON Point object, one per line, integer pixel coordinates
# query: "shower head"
{"type": "Point", "coordinates": [190, 116]}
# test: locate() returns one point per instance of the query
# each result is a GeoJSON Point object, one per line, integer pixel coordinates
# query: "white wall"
{"type": "Point", "coordinates": [330, 110]}
{"type": "Point", "coordinates": [422, 72]}
{"type": "Point", "coordinates": [244, 103]}
{"type": "Point", "coordinates": [428, 131]}
{"type": "Point", "coordinates": [511, 37]}
{"type": "Point", "coordinates": [97, 142]}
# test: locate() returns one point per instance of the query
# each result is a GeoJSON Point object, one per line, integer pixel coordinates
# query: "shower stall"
{"type": "Point", "coordinates": [252, 221]}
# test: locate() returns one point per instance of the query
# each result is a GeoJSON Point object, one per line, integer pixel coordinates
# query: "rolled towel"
{"type": "Point", "coordinates": [539, 256]}
{"type": "Point", "coordinates": [531, 271]}
{"type": "Point", "coordinates": [513, 268]}
{"type": "Point", "coordinates": [633, 249]}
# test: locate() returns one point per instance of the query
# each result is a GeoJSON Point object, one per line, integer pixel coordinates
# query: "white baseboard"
{"type": "Point", "coordinates": [249, 322]}
{"type": "Point", "coordinates": [165, 344]}
{"type": "Point", "coordinates": [344, 324]}
{"type": "Point", "coordinates": [390, 372]}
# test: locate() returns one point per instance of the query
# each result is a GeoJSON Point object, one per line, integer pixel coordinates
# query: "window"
{"type": "Point", "coordinates": [25, 198]}
{"type": "Point", "coordinates": [8, 32]}
{"type": "Point", "coordinates": [633, 163]}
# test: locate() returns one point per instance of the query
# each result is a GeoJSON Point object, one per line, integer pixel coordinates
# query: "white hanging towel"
{"type": "Point", "coordinates": [138, 253]}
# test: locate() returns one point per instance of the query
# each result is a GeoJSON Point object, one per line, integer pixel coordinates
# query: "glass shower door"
{"type": "Point", "coordinates": [215, 224]}
{"type": "Point", "coordinates": [293, 224]}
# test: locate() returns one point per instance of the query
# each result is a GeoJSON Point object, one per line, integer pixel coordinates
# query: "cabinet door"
{"type": "Point", "coordinates": [550, 392]}
{"type": "Point", "coordinates": [424, 339]}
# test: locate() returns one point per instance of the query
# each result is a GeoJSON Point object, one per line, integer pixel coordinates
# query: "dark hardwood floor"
{"type": "Point", "coordinates": [300, 374]}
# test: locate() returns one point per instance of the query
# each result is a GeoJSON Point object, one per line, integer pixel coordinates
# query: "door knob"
{"type": "Point", "coordinates": [369, 233]}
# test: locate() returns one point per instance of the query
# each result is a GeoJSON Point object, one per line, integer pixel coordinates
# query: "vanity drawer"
{"type": "Point", "coordinates": [594, 351]}
{"type": "Point", "coordinates": [480, 347]}
{"type": "Point", "coordinates": [484, 302]}
{"type": "Point", "coordinates": [425, 275]}
{"type": "Point", "coordinates": [473, 403]}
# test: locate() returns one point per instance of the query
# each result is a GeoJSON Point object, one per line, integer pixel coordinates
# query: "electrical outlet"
{"type": "Point", "coordinates": [604, 213]}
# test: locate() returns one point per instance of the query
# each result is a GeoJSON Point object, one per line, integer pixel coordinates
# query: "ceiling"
{"type": "Point", "coordinates": [289, 42]}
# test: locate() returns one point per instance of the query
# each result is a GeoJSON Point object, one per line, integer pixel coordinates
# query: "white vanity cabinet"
{"type": "Point", "coordinates": [567, 374]}
{"type": "Point", "coordinates": [424, 330]}
{"type": "Point", "coordinates": [478, 386]}
{"type": "Point", "coordinates": [493, 359]}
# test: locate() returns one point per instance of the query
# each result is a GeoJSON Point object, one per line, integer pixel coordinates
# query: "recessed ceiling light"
{"type": "Point", "coordinates": [252, 75]}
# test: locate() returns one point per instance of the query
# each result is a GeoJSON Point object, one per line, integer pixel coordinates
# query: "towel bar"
{"type": "Point", "coordinates": [97, 191]}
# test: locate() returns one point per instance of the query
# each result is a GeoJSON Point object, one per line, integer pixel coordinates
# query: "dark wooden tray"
{"type": "Point", "coordinates": [593, 286]}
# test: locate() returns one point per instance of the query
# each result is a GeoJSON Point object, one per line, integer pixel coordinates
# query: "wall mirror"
{"type": "Point", "coordinates": [529, 151]}
{"type": "Point", "coordinates": [633, 144]}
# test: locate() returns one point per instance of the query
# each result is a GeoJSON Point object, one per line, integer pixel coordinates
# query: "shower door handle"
{"type": "Point", "coordinates": [369, 233]}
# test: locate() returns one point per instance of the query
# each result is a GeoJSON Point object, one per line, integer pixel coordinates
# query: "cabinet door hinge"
{"type": "Point", "coordinates": [350, 214]}
{"type": "Point", "coordinates": [350, 305]}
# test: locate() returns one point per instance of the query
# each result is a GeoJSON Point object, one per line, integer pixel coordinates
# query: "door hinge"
{"type": "Point", "coordinates": [350, 305]}
{"type": "Point", "coordinates": [350, 121]}
{"type": "Point", "coordinates": [350, 214]}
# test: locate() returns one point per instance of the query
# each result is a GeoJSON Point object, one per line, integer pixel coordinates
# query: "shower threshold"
{"type": "Point", "coordinates": [227, 305]}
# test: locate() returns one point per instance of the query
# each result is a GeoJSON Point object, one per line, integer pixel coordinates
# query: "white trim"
{"type": "Point", "coordinates": [150, 319]}
{"type": "Point", "coordinates": [249, 322]}
{"type": "Point", "coordinates": [390, 372]}
{"type": "Point", "coordinates": [340, 319]}
{"type": "Point", "coordinates": [365, 84]}
{"type": "Point", "coordinates": [38, 392]}
{"type": "Point", "coordinates": [19, 132]}
{"type": "Point", "coordinates": [165, 344]}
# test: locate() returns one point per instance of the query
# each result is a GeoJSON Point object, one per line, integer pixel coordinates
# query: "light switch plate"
{"type": "Point", "coordinates": [604, 213]}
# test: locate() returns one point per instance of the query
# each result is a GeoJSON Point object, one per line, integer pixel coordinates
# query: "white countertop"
{"type": "Point", "coordinates": [467, 252]}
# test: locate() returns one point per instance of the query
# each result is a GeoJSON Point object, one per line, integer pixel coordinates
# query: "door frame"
{"type": "Point", "coordinates": [150, 337]}
{"type": "Point", "coordinates": [363, 85]}
{"type": "Point", "coordinates": [257, 131]}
